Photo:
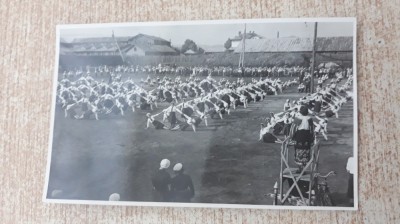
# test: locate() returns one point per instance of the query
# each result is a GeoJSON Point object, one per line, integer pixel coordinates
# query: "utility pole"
{"type": "Point", "coordinates": [313, 57]}
{"type": "Point", "coordinates": [241, 59]}
{"type": "Point", "coordinates": [244, 44]}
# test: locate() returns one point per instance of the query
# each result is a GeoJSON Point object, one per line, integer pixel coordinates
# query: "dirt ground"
{"type": "Point", "coordinates": [93, 159]}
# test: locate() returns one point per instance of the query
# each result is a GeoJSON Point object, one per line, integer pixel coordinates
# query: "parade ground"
{"type": "Point", "coordinates": [92, 159]}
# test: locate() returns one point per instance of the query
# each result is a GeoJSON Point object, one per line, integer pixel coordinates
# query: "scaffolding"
{"type": "Point", "coordinates": [289, 173]}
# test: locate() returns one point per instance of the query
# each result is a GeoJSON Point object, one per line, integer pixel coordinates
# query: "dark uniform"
{"type": "Point", "coordinates": [182, 188]}
{"type": "Point", "coordinates": [161, 181]}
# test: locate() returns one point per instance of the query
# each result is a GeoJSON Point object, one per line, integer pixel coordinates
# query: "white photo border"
{"type": "Point", "coordinates": [353, 20]}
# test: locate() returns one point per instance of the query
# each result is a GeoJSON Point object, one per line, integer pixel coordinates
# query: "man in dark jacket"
{"type": "Point", "coordinates": [161, 181]}
{"type": "Point", "coordinates": [182, 189]}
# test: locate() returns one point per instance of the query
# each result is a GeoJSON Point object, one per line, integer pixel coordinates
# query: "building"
{"type": "Point", "coordinates": [296, 44]}
{"type": "Point", "coordinates": [98, 46]}
{"type": "Point", "coordinates": [334, 49]}
{"type": "Point", "coordinates": [65, 47]}
{"type": "Point", "coordinates": [213, 49]}
{"type": "Point", "coordinates": [139, 45]}
{"type": "Point", "coordinates": [145, 45]}
{"type": "Point", "coordinates": [251, 35]}
{"type": "Point", "coordinates": [190, 52]}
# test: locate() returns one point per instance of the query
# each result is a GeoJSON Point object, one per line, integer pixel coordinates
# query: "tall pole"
{"type": "Point", "coordinates": [119, 49]}
{"type": "Point", "coordinates": [244, 44]}
{"type": "Point", "coordinates": [241, 58]}
{"type": "Point", "coordinates": [313, 57]}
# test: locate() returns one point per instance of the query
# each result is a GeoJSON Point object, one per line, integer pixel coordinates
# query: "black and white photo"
{"type": "Point", "coordinates": [257, 113]}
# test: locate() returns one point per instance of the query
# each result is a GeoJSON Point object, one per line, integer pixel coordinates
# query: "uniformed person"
{"type": "Point", "coordinates": [161, 182]}
{"type": "Point", "coordinates": [182, 189]}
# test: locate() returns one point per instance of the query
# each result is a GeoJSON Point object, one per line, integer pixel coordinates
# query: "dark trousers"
{"type": "Point", "coordinates": [161, 196]}
{"type": "Point", "coordinates": [350, 187]}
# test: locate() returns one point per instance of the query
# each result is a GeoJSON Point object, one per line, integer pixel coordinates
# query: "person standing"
{"type": "Point", "coordinates": [350, 167]}
{"type": "Point", "coordinates": [182, 189]}
{"type": "Point", "coordinates": [302, 132]}
{"type": "Point", "coordinates": [161, 181]}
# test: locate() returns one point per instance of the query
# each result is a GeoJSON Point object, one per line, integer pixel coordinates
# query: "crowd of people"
{"type": "Point", "coordinates": [168, 69]}
{"type": "Point", "coordinates": [193, 98]}
{"type": "Point", "coordinates": [230, 71]}
{"type": "Point", "coordinates": [214, 99]}
{"type": "Point", "coordinates": [296, 120]}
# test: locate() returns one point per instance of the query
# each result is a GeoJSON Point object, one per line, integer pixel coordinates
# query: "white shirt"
{"type": "Point", "coordinates": [350, 167]}
{"type": "Point", "coordinates": [304, 123]}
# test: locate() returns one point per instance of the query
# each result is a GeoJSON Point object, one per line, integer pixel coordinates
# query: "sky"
{"type": "Point", "coordinates": [211, 34]}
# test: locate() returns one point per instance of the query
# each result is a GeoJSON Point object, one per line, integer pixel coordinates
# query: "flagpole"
{"type": "Point", "coordinates": [119, 49]}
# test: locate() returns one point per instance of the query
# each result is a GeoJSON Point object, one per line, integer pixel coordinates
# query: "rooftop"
{"type": "Point", "coordinates": [297, 44]}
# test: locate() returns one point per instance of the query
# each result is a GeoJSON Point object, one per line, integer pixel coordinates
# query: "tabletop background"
{"type": "Point", "coordinates": [27, 51]}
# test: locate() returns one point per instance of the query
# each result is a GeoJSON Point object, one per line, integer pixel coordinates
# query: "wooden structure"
{"type": "Point", "coordinates": [289, 173]}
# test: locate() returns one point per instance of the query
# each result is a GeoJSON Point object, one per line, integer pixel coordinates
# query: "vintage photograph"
{"type": "Point", "coordinates": [258, 113]}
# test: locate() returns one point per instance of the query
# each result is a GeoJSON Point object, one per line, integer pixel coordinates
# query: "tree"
{"type": "Point", "coordinates": [200, 51]}
{"type": "Point", "coordinates": [228, 44]}
{"type": "Point", "coordinates": [189, 45]}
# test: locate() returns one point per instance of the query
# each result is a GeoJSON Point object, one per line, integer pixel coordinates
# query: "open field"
{"type": "Point", "coordinates": [92, 159]}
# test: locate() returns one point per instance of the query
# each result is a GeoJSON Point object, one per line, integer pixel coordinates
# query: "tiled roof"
{"type": "Point", "coordinates": [100, 39]}
{"type": "Point", "coordinates": [297, 44]}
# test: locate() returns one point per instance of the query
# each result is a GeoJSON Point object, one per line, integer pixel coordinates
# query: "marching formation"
{"type": "Point", "coordinates": [194, 99]}
{"type": "Point", "coordinates": [176, 102]}
{"type": "Point", "coordinates": [322, 105]}
{"type": "Point", "coordinates": [210, 99]}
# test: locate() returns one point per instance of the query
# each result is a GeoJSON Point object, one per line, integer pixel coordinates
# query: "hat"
{"type": "Point", "coordinates": [56, 193]}
{"type": "Point", "coordinates": [178, 167]}
{"type": "Point", "coordinates": [164, 164]}
{"type": "Point", "coordinates": [114, 197]}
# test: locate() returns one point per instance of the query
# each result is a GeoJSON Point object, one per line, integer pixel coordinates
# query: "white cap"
{"type": "Point", "coordinates": [164, 164]}
{"type": "Point", "coordinates": [56, 193]}
{"type": "Point", "coordinates": [178, 167]}
{"type": "Point", "coordinates": [114, 197]}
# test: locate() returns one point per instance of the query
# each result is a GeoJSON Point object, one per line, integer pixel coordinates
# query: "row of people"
{"type": "Point", "coordinates": [323, 104]}
{"type": "Point", "coordinates": [214, 103]}
{"type": "Point", "coordinates": [86, 96]}
{"type": "Point", "coordinates": [264, 71]}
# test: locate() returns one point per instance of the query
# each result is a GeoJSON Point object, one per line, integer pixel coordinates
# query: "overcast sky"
{"type": "Point", "coordinates": [213, 34]}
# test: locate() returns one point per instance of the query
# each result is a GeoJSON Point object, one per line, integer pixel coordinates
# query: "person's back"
{"type": "Point", "coordinates": [161, 181]}
{"type": "Point", "coordinates": [303, 130]}
{"type": "Point", "coordinates": [181, 185]}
